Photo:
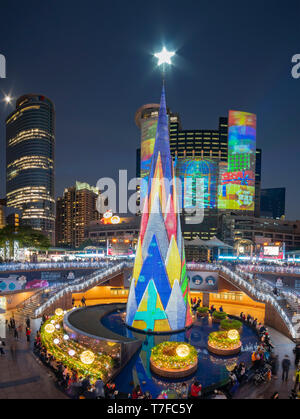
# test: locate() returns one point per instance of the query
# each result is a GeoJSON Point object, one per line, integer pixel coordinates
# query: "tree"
{"type": "Point", "coordinates": [25, 235]}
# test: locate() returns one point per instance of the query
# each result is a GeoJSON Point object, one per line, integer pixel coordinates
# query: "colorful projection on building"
{"type": "Point", "coordinates": [188, 170]}
{"type": "Point", "coordinates": [237, 184]}
{"type": "Point", "coordinates": [159, 292]}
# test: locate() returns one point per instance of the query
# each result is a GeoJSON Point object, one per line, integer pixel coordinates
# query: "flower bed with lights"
{"type": "Point", "coordinates": [72, 354]}
{"type": "Point", "coordinates": [224, 342]}
{"type": "Point", "coordinates": [174, 359]}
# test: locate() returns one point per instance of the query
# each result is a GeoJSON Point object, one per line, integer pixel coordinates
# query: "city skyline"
{"type": "Point", "coordinates": [198, 90]}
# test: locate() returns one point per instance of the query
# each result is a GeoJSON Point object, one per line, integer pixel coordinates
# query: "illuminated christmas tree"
{"type": "Point", "coordinates": [159, 298]}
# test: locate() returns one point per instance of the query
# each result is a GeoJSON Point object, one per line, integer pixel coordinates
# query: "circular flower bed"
{"type": "Point", "coordinates": [230, 324]}
{"type": "Point", "coordinates": [174, 359]}
{"type": "Point", "coordinates": [71, 353]}
{"type": "Point", "coordinates": [224, 342]}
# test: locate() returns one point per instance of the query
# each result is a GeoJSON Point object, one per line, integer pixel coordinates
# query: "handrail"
{"type": "Point", "coordinates": [271, 268]}
{"type": "Point", "coordinates": [82, 283]}
{"type": "Point", "coordinates": [262, 296]}
{"type": "Point", "coordinates": [52, 265]}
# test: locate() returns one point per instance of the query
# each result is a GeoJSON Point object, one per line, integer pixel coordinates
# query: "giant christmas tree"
{"type": "Point", "coordinates": [159, 293]}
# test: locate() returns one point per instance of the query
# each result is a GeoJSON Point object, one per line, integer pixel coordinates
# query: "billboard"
{"type": "Point", "coordinates": [188, 170]}
{"type": "Point", "coordinates": [236, 189]}
{"type": "Point", "coordinates": [272, 251]}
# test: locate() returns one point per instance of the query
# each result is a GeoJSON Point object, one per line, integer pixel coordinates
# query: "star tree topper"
{"type": "Point", "coordinates": [164, 57]}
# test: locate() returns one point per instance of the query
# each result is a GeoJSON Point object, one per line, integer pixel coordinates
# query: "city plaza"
{"type": "Point", "coordinates": [149, 323]}
{"type": "Point", "coordinates": [189, 288]}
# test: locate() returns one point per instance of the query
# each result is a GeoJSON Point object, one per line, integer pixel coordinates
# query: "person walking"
{"type": "Point", "coordinates": [16, 333]}
{"type": "Point", "coordinates": [297, 380]}
{"type": "Point", "coordinates": [297, 354]}
{"type": "Point", "coordinates": [285, 364]}
{"type": "Point", "coordinates": [2, 343]}
{"type": "Point", "coordinates": [28, 333]}
{"type": "Point", "coordinates": [28, 322]}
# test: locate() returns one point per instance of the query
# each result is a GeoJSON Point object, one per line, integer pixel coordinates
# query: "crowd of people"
{"type": "Point", "coordinates": [265, 362]}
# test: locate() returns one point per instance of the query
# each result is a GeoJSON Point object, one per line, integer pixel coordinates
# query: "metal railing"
{"type": "Point", "coordinates": [263, 293]}
{"type": "Point", "coordinates": [52, 265]}
{"type": "Point", "coordinates": [81, 284]}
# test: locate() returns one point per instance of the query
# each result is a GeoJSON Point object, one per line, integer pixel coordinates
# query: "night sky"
{"type": "Point", "coordinates": [94, 60]}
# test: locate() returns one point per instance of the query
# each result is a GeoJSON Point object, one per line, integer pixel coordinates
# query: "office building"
{"type": "Point", "coordinates": [233, 228]}
{"type": "Point", "coordinates": [30, 142]}
{"type": "Point", "coordinates": [13, 219]}
{"type": "Point", "coordinates": [257, 182]}
{"type": "Point", "coordinates": [74, 211]}
{"type": "Point", "coordinates": [272, 203]}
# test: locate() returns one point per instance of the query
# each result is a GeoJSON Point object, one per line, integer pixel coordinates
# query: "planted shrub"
{"type": "Point", "coordinates": [219, 315]}
{"type": "Point", "coordinates": [202, 310]}
{"type": "Point", "coordinates": [229, 324]}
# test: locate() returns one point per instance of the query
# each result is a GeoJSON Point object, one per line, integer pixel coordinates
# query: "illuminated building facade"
{"type": "Point", "coordinates": [74, 210]}
{"type": "Point", "coordinates": [30, 143]}
{"type": "Point", "coordinates": [200, 153]}
{"type": "Point", "coordinates": [2, 217]}
{"type": "Point", "coordinates": [13, 220]}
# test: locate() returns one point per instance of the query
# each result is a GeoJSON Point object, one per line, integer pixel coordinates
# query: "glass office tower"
{"type": "Point", "coordinates": [30, 142]}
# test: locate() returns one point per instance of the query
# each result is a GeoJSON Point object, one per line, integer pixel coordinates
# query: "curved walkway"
{"type": "Point", "coordinates": [283, 346]}
{"type": "Point", "coordinates": [21, 375]}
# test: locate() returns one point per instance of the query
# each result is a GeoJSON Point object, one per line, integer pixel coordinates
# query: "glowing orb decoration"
{"type": "Point", "coordinates": [49, 328]}
{"type": "Point", "coordinates": [233, 334]}
{"type": "Point", "coordinates": [87, 357]}
{"type": "Point", "coordinates": [164, 57]}
{"type": "Point", "coordinates": [57, 326]}
{"type": "Point", "coordinates": [71, 352]}
{"type": "Point", "coordinates": [115, 219]}
{"type": "Point", "coordinates": [182, 351]}
{"type": "Point", "coordinates": [107, 214]}
{"type": "Point", "coordinates": [66, 337]}
{"type": "Point", "coordinates": [59, 312]}
{"type": "Point", "coordinates": [56, 341]}
{"type": "Point", "coordinates": [52, 321]}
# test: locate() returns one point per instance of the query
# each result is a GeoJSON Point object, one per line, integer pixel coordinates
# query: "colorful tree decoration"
{"type": "Point", "coordinates": [159, 298]}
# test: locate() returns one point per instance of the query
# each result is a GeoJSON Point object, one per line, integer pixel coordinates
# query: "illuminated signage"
{"type": "Point", "coordinates": [236, 190]}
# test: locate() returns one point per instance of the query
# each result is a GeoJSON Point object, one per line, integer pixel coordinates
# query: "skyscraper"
{"type": "Point", "coordinates": [30, 143]}
{"type": "Point", "coordinates": [272, 202]}
{"type": "Point", "coordinates": [257, 182]}
{"type": "Point", "coordinates": [74, 210]}
{"type": "Point", "coordinates": [159, 292]}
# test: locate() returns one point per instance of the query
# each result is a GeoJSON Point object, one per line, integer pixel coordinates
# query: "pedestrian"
{"type": "Point", "coordinates": [297, 354]}
{"type": "Point", "coordinates": [16, 334]}
{"type": "Point", "coordinates": [286, 363]}
{"type": "Point", "coordinates": [28, 333]}
{"type": "Point", "coordinates": [297, 380]}
{"type": "Point", "coordinates": [28, 322]}
{"type": "Point", "coordinates": [2, 343]}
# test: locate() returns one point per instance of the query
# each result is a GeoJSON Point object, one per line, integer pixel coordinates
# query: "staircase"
{"type": "Point", "coordinates": [82, 284]}
{"type": "Point", "coordinates": [286, 306]}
